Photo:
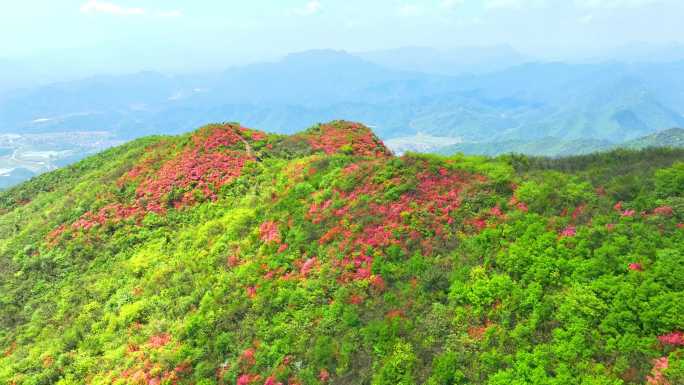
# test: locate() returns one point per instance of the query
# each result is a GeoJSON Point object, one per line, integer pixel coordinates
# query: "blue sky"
{"type": "Point", "coordinates": [177, 35]}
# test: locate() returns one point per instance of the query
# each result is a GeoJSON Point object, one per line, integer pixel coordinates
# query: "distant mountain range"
{"type": "Point", "coordinates": [416, 99]}
{"type": "Point", "coordinates": [608, 102]}
{"type": "Point", "coordinates": [457, 61]}
{"type": "Point", "coordinates": [550, 146]}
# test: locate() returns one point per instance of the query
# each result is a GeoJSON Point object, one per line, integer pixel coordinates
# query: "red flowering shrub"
{"type": "Point", "coordinates": [578, 211]}
{"type": "Point", "coordinates": [268, 231]}
{"type": "Point", "coordinates": [635, 267]}
{"type": "Point", "coordinates": [247, 357]}
{"type": "Point", "coordinates": [159, 340]}
{"type": "Point", "coordinates": [378, 283]}
{"type": "Point", "coordinates": [216, 157]}
{"type": "Point", "coordinates": [417, 217]}
{"type": "Point", "coordinates": [569, 231]}
{"type": "Point", "coordinates": [674, 339]}
{"type": "Point", "coordinates": [244, 379]}
{"type": "Point", "coordinates": [496, 211]}
{"type": "Point", "coordinates": [324, 375]}
{"type": "Point", "coordinates": [271, 380]}
{"type": "Point", "coordinates": [665, 211]}
{"type": "Point", "coordinates": [657, 376]}
{"type": "Point", "coordinates": [340, 136]}
{"type": "Point", "coordinates": [308, 265]}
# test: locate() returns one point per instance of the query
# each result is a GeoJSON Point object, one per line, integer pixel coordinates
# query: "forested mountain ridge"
{"type": "Point", "coordinates": [517, 107]}
{"type": "Point", "coordinates": [232, 256]}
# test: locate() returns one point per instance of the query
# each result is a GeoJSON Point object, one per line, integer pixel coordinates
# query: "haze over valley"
{"type": "Point", "coordinates": [507, 106]}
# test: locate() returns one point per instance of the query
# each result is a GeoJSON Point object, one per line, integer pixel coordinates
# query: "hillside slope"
{"type": "Point", "coordinates": [674, 137]}
{"type": "Point", "coordinates": [231, 256]}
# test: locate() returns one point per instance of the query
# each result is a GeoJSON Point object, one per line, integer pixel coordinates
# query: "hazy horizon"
{"type": "Point", "coordinates": [82, 37]}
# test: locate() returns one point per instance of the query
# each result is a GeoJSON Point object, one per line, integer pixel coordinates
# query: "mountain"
{"type": "Point", "coordinates": [555, 147]}
{"type": "Point", "coordinates": [673, 137]}
{"type": "Point", "coordinates": [542, 147]}
{"type": "Point", "coordinates": [455, 61]}
{"type": "Point", "coordinates": [233, 256]}
{"type": "Point", "coordinates": [598, 103]}
{"type": "Point", "coordinates": [608, 101]}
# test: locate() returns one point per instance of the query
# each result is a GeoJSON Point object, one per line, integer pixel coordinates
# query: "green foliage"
{"type": "Point", "coordinates": [670, 181]}
{"type": "Point", "coordinates": [313, 268]}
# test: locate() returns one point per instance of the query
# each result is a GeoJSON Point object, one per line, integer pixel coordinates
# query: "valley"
{"type": "Point", "coordinates": [27, 155]}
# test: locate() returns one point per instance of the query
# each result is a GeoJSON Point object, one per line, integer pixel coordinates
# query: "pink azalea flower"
{"type": "Point", "coordinates": [674, 339]}
{"type": "Point", "coordinates": [244, 379]}
{"type": "Point", "coordinates": [269, 232]}
{"type": "Point", "coordinates": [665, 211]}
{"type": "Point", "coordinates": [635, 267]}
{"type": "Point", "coordinates": [308, 265]}
{"type": "Point", "coordinates": [569, 231]}
{"type": "Point", "coordinates": [271, 380]}
{"type": "Point", "coordinates": [657, 376]}
{"type": "Point", "coordinates": [324, 376]}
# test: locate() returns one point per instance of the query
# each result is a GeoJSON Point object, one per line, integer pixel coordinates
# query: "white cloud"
{"type": "Point", "coordinates": [503, 4]}
{"type": "Point", "coordinates": [310, 8]}
{"type": "Point", "coordinates": [96, 6]}
{"type": "Point", "coordinates": [514, 4]}
{"type": "Point", "coordinates": [451, 4]}
{"type": "Point", "coordinates": [613, 3]}
{"type": "Point", "coordinates": [410, 10]}
{"type": "Point", "coordinates": [172, 13]}
{"type": "Point", "coordinates": [586, 19]}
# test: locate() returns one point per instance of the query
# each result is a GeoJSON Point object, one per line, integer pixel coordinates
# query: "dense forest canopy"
{"type": "Point", "coordinates": [232, 256]}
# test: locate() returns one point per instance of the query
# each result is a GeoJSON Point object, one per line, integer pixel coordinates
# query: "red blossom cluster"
{"type": "Point", "coordinates": [577, 212]}
{"type": "Point", "coordinates": [657, 376]}
{"type": "Point", "coordinates": [569, 231]}
{"type": "Point", "coordinates": [624, 213]}
{"type": "Point", "coordinates": [268, 231]}
{"type": "Point", "coordinates": [215, 158]}
{"type": "Point", "coordinates": [194, 171]}
{"type": "Point", "coordinates": [635, 267]}
{"type": "Point", "coordinates": [159, 340]}
{"type": "Point", "coordinates": [522, 206]}
{"type": "Point", "coordinates": [418, 217]}
{"type": "Point", "coordinates": [308, 265]}
{"type": "Point", "coordinates": [251, 291]}
{"type": "Point", "coordinates": [334, 137]}
{"type": "Point", "coordinates": [497, 212]}
{"type": "Point", "coordinates": [146, 371]}
{"type": "Point", "coordinates": [674, 339]}
{"type": "Point", "coordinates": [246, 379]}
{"type": "Point", "coordinates": [247, 357]}
{"type": "Point", "coordinates": [628, 213]}
{"type": "Point", "coordinates": [271, 380]}
{"type": "Point", "coordinates": [665, 211]}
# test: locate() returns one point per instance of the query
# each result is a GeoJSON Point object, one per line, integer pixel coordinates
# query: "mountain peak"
{"type": "Point", "coordinates": [672, 137]}
{"type": "Point", "coordinates": [346, 137]}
